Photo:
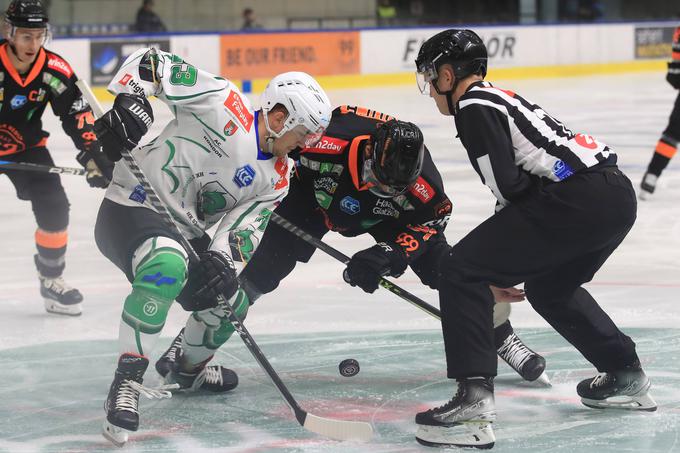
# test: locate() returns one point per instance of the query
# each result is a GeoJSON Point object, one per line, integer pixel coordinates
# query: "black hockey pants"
{"type": "Point", "coordinates": [553, 240]}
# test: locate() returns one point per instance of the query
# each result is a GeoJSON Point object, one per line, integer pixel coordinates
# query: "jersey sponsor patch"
{"type": "Point", "coordinates": [125, 79]}
{"type": "Point", "coordinates": [11, 140]}
{"type": "Point", "coordinates": [37, 95]}
{"type": "Point", "coordinates": [214, 199]}
{"type": "Point", "coordinates": [562, 170]}
{"type": "Point", "coordinates": [56, 85]}
{"type": "Point", "coordinates": [138, 194]}
{"type": "Point", "coordinates": [386, 208]}
{"type": "Point", "coordinates": [244, 176]}
{"type": "Point", "coordinates": [18, 101]}
{"type": "Point", "coordinates": [328, 145]}
{"type": "Point", "coordinates": [129, 81]}
{"type": "Point", "coordinates": [235, 105]}
{"type": "Point", "coordinates": [404, 203]}
{"type": "Point", "coordinates": [58, 64]}
{"type": "Point", "coordinates": [350, 205]}
{"type": "Point", "coordinates": [422, 189]}
{"type": "Point", "coordinates": [326, 184]}
{"type": "Point", "coordinates": [323, 199]}
{"type": "Point", "coordinates": [230, 128]}
{"type": "Point", "coordinates": [281, 168]}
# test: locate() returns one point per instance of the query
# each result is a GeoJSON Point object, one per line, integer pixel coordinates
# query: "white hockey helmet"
{"type": "Point", "coordinates": [309, 109]}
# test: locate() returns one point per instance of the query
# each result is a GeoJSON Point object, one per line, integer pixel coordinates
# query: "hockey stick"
{"type": "Point", "coordinates": [334, 429]}
{"type": "Point", "coordinates": [338, 255]}
{"type": "Point", "coordinates": [27, 166]}
{"type": "Point", "coordinates": [502, 310]}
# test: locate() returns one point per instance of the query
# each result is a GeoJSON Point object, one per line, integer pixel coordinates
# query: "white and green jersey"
{"type": "Point", "coordinates": [205, 165]}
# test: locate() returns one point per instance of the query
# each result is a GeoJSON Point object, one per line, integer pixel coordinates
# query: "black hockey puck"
{"type": "Point", "coordinates": [349, 367]}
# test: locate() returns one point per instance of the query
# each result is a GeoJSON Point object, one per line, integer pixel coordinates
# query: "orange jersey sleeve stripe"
{"type": "Point", "coordinates": [51, 239]}
{"type": "Point", "coordinates": [665, 149]}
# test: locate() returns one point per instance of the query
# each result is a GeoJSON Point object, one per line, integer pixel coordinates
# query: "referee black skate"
{"type": "Point", "coordinates": [563, 207]}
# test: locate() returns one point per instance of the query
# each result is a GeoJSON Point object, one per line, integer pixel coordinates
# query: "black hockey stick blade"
{"type": "Point", "coordinates": [338, 255]}
{"type": "Point", "coordinates": [27, 166]}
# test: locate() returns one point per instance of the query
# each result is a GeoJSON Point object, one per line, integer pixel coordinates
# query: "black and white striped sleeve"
{"type": "Point", "coordinates": [485, 133]}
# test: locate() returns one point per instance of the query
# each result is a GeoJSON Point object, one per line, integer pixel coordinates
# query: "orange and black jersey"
{"type": "Point", "coordinates": [23, 98]}
{"type": "Point", "coordinates": [329, 176]}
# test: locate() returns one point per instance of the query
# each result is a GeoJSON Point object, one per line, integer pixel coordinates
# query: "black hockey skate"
{"type": "Point", "coordinates": [122, 413]}
{"type": "Point", "coordinates": [213, 378]}
{"type": "Point", "coordinates": [527, 363]}
{"type": "Point", "coordinates": [59, 297]}
{"type": "Point", "coordinates": [623, 389]}
{"type": "Point", "coordinates": [647, 186]}
{"type": "Point", "coordinates": [464, 421]}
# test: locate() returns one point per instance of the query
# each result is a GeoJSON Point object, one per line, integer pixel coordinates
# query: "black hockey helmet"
{"type": "Point", "coordinates": [396, 158]}
{"type": "Point", "coordinates": [26, 14]}
{"type": "Point", "coordinates": [464, 50]}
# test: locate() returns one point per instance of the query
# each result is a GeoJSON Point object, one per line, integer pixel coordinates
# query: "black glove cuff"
{"type": "Point", "coordinates": [83, 158]}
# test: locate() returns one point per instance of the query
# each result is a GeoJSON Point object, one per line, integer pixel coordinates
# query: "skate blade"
{"type": "Point", "coordinates": [52, 306]}
{"type": "Point", "coordinates": [117, 436]}
{"type": "Point", "coordinates": [644, 195]}
{"type": "Point", "coordinates": [542, 380]}
{"type": "Point", "coordinates": [642, 402]}
{"type": "Point", "coordinates": [471, 434]}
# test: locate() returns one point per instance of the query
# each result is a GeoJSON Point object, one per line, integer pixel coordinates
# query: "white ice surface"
{"type": "Point", "coordinates": [638, 286]}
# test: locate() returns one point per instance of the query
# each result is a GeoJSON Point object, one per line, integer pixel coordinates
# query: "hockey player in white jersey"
{"type": "Point", "coordinates": [218, 162]}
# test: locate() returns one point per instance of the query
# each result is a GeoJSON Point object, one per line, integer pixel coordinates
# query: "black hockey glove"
{"type": "Point", "coordinates": [99, 169]}
{"type": "Point", "coordinates": [673, 76]}
{"type": "Point", "coordinates": [214, 274]}
{"type": "Point", "coordinates": [367, 267]}
{"type": "Point", "coordinates": [124, 125]}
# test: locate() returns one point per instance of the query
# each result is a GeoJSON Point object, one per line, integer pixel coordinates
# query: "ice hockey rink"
{"type": "Point", "coordinates": [55, 371]}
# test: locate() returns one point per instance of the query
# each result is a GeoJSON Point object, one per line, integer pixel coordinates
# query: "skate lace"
{"type": "Point", "coordinates": [600, 379]}
{"type": "Point", "coordinates": [514, 352]}
{"type": "Point", "coordinates": [209, 375]}
{"type": "Point", "coordinates": [58, 285]}
{"type": "Point", "coordinates": [129, 391]}
{"type": "Point", "coordinates": [450, 403]}
{"type": "Point", "coordinates": [212, 375]}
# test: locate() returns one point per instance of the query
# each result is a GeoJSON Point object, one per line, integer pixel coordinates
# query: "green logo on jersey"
{"type": "Point", "coordinates": [241, 244]}
{"type": "Point", "coordinates": [325, 167]}
{"type": "Point", "coordinates": [182, 73]}
{"type": "Point", "coordinates": [212, 202]}
{"type": "Point", "coordinates": [263, 219]}
{"type": "Point", "coordinates": [323, 198]}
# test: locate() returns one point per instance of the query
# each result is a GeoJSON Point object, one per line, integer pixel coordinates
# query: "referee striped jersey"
{"type": "Point", "coordinates": [513, 143]}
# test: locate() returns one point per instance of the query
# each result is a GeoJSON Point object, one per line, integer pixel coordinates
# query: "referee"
{"type": "Point", "coordinates": [563, 206]}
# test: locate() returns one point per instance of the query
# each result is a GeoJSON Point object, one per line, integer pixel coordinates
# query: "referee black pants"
{"type": "Point", "coordinates": [553, 240]}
